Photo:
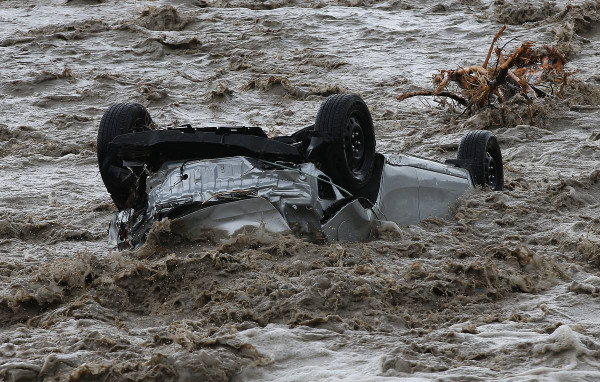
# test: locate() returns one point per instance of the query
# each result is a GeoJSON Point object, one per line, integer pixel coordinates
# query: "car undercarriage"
{"type": "Point", "coordinates": [324, 182]}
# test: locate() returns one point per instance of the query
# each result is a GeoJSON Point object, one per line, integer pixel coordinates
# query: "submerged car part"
{"type": "Point", "coordinates": [301, 194]}
{"type": "Point", "coordinates": [225, 196]}
{"type": "Point", "coordinates": [228, 219]}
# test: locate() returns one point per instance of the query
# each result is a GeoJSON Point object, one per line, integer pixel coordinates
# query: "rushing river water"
{"type": "Point", "coordinates": [507, 288]}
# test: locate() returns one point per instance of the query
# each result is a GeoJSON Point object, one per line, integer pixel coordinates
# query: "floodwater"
{"type": "Point", "coordinates": [506, 288]}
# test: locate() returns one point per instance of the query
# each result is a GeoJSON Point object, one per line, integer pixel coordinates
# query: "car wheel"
{"type": "Point", "coordinates": [350, 154]}
{"type": "Point", "coordinates": [120, 118]}
{"type": "Point", "coordinates": [482, 147]}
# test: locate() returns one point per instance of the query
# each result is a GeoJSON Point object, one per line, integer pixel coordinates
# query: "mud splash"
{"type": "Point", "coordinates": [165, 18]}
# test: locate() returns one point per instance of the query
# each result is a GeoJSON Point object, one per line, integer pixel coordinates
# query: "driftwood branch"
{"type": "Point", "coordinates": [455, 97]}
{"type": "Point", "coordinates": [496, 37]}
{"type": "Point", "coordinates": [476, 87]}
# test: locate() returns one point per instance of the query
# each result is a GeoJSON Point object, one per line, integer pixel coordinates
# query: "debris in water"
{"type": "Point", "coordinates": [525, 71]}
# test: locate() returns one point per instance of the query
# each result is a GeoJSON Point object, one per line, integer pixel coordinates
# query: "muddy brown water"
{"type": "Point", "coordinates": [506, 288]}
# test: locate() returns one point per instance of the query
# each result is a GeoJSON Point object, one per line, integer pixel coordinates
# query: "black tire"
{"type": "Point", "coordinates": [482, 147]}
{"type": "Point", "coordinates": [350, 155]}
{"type": "Point", "coordinates": [120, 118]}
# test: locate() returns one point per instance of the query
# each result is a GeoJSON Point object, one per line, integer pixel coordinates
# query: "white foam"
{"type": "Point", "coordinates": [309, 354]}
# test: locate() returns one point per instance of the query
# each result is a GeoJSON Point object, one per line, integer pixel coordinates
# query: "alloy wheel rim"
{"type": "Point", "coordinates": [354, 141]}
{"type": "Point", "coordinates": [490, 172]}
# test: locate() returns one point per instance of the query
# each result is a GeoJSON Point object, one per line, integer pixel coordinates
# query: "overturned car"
{"type": "Point", "coordinates": [324, 182]}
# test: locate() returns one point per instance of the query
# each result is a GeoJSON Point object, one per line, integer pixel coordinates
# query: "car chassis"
{"type": "Point", "coordinates": [219, 182]}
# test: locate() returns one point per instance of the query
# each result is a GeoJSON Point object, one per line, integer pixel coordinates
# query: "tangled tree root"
{"type": "Point", "coordinates": [527, 71]}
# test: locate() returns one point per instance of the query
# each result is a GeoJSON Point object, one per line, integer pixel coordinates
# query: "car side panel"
{"type": "Point", "coordinates": [438, 192]}
{"type": "Point", "coordinates": [351, 223]}
{"type": "Point", "coordinates": [399, 194]}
